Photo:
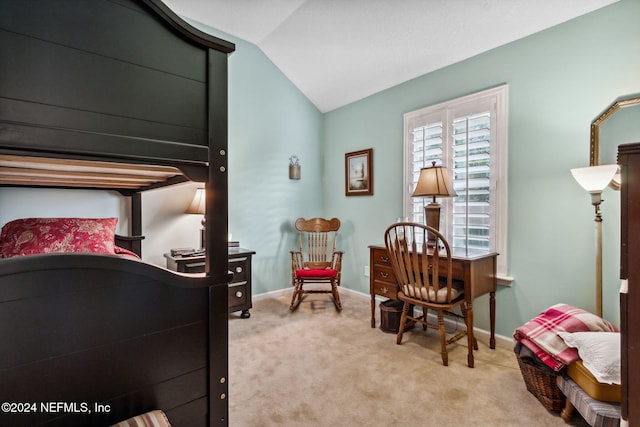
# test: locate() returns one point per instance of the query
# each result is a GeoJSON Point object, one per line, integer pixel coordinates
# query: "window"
{"type": "Point", "coordinates": [469, 137]}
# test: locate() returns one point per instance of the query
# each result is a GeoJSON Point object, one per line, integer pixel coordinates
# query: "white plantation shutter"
{"type": "Point", "coordinates": [472, 210]}
{"type": "Point", "coordinates": [468, 136]}
{"type": "Point", "coordinates": [426, 147]}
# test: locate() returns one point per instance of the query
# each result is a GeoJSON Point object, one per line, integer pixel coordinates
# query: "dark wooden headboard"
{"type": "Point", "coordinates": [105, 78]}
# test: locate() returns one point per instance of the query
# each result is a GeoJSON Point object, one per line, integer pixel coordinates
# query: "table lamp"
{"type": "Point", "coordinates": [197, 206]}
{"type": "Point", "coordinates": [434, 181]}
{"type": "Point", "coordinates": [594, 179]}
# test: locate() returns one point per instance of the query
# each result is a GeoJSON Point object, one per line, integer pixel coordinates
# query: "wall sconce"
{"type": "Point", "coordinates": [197, 206]}
{"type": "Point", "coordinates": [594, 179]}
{"type": "Point", "coordinates": [434, 181]}
{"type": "Point", "coordinates": [294, 167]}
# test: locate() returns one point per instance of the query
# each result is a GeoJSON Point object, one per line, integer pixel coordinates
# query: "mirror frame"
{"type": "Point", "coordinates": [618, 104]}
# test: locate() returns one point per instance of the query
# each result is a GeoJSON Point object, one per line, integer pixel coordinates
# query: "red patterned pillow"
{"type": "Point", "coordinates": [125, 253]}
{"type": "Point", "coordinates": [29, 236]}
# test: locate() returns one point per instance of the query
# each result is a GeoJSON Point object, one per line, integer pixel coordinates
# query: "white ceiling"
{"type": "Point", "coordinates": [339, 51]}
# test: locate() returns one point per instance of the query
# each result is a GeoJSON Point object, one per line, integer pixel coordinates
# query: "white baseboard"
{"type": "Point", "coordinates": [272, 294]}
{"type": "Point", "coordinates": [480, 334]}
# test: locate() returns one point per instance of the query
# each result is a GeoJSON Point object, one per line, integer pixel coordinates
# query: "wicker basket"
{"type": "Point", "coordinates": [542, 384]}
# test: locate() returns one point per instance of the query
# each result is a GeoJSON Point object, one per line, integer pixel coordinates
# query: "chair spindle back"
{"type": "Point", "coordinates": [317, 240]}
{"type": "Point", "coordinates": [420, 276]}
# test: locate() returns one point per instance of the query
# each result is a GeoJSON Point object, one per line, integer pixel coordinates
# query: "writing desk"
{"type": "Point", "coordinates": [476, 269]}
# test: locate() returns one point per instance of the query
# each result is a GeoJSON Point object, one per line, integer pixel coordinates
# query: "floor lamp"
{"type": "Point", "coordinates": [594, 179]}
{"type": "Point", "coordinates": [434, 181]}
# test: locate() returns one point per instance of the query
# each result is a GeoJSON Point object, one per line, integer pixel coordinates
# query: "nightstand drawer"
{"type": "Point", "coordinates": [240, 269]}
{"type": "Point", "coordinates": [194, 267]}
{"type": "Point", "coordinates": [238, 294]}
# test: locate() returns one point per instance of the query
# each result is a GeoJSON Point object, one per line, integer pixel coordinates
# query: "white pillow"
{"type": "Point", "coordinates": [599, 351]}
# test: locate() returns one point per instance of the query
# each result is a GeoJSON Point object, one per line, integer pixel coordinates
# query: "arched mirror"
{"type": "Point", "coordinates": [618, 124]}
{"type": "Point", "coordinates": [626, 123]}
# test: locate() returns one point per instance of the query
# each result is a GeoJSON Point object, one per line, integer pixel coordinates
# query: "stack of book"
{"type": "Point", "coordinates": [187, 252]}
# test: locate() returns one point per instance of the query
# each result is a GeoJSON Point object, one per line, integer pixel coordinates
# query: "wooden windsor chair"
{"type": "Point", "coordinates": [424, 274]}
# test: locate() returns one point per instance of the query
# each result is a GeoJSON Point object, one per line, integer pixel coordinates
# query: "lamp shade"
{"type": "Point", "coordinates": [595, 179]}
{"type": "Point", "coordinates": [434, 181]}
{"type": "Point", "coordinates": [197, 205]}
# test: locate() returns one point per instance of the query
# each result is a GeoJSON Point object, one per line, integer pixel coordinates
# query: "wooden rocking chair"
{"type": "Point", "coordinates": [316, 260]}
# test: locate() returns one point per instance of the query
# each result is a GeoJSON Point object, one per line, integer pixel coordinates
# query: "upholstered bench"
{"type": "Point", "coordinates": [595, 412]}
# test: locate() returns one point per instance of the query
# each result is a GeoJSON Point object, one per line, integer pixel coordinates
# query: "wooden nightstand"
{"type": "Point", "coordinates": [239, 265]}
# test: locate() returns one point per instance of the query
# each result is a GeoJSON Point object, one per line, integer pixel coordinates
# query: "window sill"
{"type": "Point", "coordinates": [504, 280]}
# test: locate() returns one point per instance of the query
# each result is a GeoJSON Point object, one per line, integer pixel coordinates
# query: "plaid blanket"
{"type": "Point", "coordinates": [540, 334]}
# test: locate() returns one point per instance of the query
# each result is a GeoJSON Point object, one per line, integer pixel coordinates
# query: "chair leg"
{"type": "Point", "coordinates": [443, 339]}
{"type": "Point", "coordinates": [403, 321]}
{"type": "Point", "coordinates": [296, 297]}
{"type": "Point", "coordinates": [336, 296]}
{"type": "Point", "coordinates": [425, 312]}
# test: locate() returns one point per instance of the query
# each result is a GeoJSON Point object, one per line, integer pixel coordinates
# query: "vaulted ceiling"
{"type": "Point", "coordinates": [339, 51]}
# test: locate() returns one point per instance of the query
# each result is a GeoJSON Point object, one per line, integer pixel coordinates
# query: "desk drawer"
{"type": "Point", "coordinates": [382, 269]}
{"type": "Point", "coordinates": [389, 290]}
{"type": "Point", "coordinates": [384, 273]}
{"type": "Point", "coordinates": [380, 256]}
{"type": "Point", "coordinates": [457, 270]}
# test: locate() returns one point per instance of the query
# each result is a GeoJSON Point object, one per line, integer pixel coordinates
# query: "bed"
{"type": "Point", "coordinates": [118, 95]}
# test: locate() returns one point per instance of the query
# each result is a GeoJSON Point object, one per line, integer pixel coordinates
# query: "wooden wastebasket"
{"type": "Point", "coordinates": [390, 313]}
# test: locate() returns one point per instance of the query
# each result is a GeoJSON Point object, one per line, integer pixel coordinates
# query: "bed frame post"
{"type": "Point", "coordinates": [216, 241]}
{"type": "Point", "coordinates": [136, 221]}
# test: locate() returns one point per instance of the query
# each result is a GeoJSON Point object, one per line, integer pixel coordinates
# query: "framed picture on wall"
{"type": "Point", "coordinates": [359, 173]}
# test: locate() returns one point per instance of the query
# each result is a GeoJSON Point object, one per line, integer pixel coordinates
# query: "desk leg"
{"type": "Point", "coordinates": [492, 315]}
{"type": "Point", "coordinates": [373, 310]}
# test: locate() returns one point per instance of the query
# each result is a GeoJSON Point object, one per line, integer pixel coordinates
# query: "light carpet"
{"type": "Point", "coordinates": [318, 367]}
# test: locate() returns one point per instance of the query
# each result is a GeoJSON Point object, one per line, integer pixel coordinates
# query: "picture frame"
{"type": "Point", "coordinates": [359, 173]}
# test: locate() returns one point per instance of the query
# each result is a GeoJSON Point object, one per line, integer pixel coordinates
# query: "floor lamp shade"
{"type": "Point", "coordinates": [434, 181]}
{"type": "Point", "coordinates": [594, 179]}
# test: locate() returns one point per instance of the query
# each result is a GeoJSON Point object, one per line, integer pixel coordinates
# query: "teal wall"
{"type": "Point", "coordinates": [269, 121]}
{"type": "Point", "coordinates": [559, 81]}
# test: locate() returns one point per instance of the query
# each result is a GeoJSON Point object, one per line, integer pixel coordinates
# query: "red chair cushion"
{"type": "Point", "coordinates": [317, 272]}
